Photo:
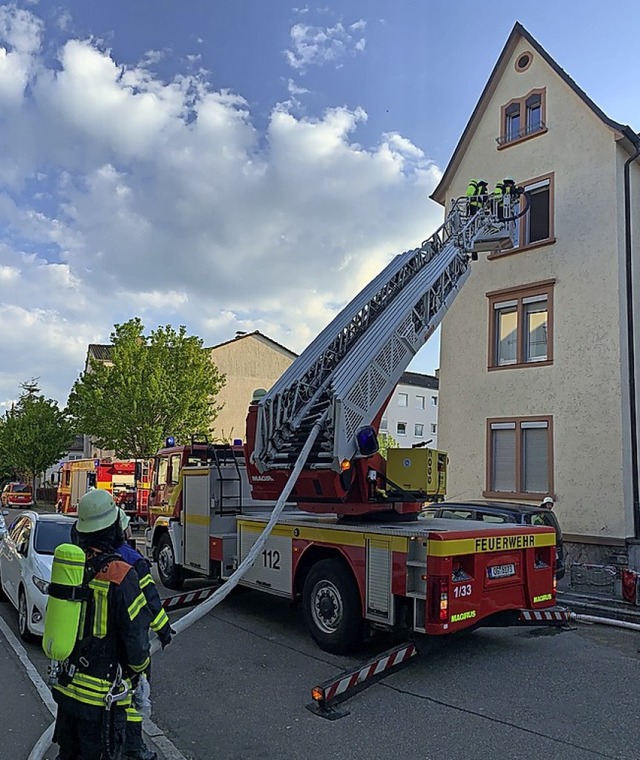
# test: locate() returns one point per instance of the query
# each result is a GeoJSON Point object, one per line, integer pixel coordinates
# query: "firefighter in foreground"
{"type": "Point", "coordinates": [135, 747]}
{"type": "Point", "coordinates": [111, 650]}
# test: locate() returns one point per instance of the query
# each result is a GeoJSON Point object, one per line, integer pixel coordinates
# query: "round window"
{"type": "Point", "coordinates": [523, 62]}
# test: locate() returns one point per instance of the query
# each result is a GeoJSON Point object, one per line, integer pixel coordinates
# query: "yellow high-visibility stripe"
{"type": "Point", "coordinates": [140, 668]}
{"type": "Point", "coordinates": [133, 716]}
{"type": "Point", "coordinates": [325, 535]}
{"type": "Point", "coordinates": [146, 581]}
{"type": "Point", "coordinates": [481, 544]}
{"type": "Point", "coordinates": [80, 694]}
{"type": "Point", "coordinates": [136, 605]}
{"type": "Point", "coordinates": [159, 621]}
{"type": "Point", "coordinates": [100, 613]}
{"type": "Point", "coordinates": [197, 519]}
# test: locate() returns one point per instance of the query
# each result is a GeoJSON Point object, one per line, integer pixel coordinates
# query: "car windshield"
{"type": "Point", "coordinates": [20, 489]}
{"type": "Point", "coordinates": [50, 534]}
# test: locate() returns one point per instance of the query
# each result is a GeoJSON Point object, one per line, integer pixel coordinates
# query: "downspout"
{"type": "Point", "coordinates": [633, 412]}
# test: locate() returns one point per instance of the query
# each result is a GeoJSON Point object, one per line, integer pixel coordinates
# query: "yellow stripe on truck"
{"type": "Point", "coordinates": [482, 544]}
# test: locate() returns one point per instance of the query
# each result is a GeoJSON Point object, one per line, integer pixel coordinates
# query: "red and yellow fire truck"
{"type": "Point", "coordinates": [127, 480]}
{"type": "Point", "coordinates": [350, 545]}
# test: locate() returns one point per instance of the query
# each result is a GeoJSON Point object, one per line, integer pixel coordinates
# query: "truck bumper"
{"type": "Point", "coordinates": [551, 616]}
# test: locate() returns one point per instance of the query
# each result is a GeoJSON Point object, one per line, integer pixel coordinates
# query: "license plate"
{"type": "Point", "coordinates": [502, 571]}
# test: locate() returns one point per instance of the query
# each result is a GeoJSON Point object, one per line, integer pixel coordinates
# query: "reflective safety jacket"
{"type": "Point", "coordinates": [113, 630]}
{"type": "Point", "coordinates": [159, 619]}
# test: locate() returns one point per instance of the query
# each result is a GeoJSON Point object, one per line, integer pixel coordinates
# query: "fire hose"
{"type": "Point", "coordinates": [42, 745]}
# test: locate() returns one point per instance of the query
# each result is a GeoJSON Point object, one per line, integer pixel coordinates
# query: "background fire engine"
{"type": "Point", "coordinates": [128, 480]}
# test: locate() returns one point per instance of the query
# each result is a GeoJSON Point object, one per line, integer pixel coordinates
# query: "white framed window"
{"type": "Point", "coordinates": [418, 430]}
{"type": "Point", "coordinates": [421, 402]}
{"type": "Point", "coordinates": [403, 399]}
{"type": "Point", "coordinates": [433, 427]}
{"type": "Point", "coordinates": [434, 401]}
{"type": "Point", "coordinates": [401, 428]}
{"type": "Point", "coordinates": [384, 425]}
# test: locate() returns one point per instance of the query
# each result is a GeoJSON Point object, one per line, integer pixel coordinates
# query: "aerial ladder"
{"type": "Point", "coordinates": [345, 377]}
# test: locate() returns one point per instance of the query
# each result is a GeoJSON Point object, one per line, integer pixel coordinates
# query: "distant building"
{"type": "Point", "coordinates": [412, 414]}
{"type": "Point", "coordinates": [249, 361]}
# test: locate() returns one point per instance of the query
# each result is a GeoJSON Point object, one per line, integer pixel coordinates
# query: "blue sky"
{"type": "Point", "coordinates": [238, 165]}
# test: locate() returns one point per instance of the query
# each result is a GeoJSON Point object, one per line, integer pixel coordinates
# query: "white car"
{"type": "Point", "coordinates": [26, 556]}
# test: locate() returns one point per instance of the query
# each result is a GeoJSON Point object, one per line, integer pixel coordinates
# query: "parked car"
{"type": "Point", "coordinates": [502, 512]}
{"type": "Point", "coordinates": [16, 495]}
{"type": "Point", "coordinates": [26, 556]}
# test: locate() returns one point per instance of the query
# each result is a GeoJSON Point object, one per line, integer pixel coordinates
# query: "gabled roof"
{"type": "Point", "coordinates": [260, 336]}
{"type": "Point", "coordinates": [99, 351]}
{"type": "Point", "coordinates": [629, 137]}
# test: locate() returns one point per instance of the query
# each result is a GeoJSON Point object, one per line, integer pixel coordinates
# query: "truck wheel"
{"type": "Point", "coordinates": [170, 573]}
{"type": "Point", "coordinates": [331, 607]}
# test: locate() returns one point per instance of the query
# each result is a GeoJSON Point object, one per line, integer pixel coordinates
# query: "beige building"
{"type": "Point", "coordinates": [535, 382]}
{"type": "Point", "coordinates": [249, 361]}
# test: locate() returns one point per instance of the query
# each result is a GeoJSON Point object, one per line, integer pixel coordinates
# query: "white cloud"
{"type": "Point", "coordinates": [163, 199]}
{"type": "Point", "coordinates": [295, 89]}
{"type": "Point", "coordinates": [318, 46]}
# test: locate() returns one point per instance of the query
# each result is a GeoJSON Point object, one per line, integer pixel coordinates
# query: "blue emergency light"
{"type": "Point", "coordinates": [170, 441]}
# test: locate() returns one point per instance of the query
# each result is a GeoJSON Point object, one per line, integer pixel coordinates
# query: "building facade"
{"type": "Point", "coordinates": [249, 361]}
{"type": "Point", "coordinates": [534, 351]}
{"type": "Point", "coordinates": [411, 416]}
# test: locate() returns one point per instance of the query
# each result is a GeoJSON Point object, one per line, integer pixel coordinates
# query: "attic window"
{"type": "Point", "coordinates": [522, 118]}
{"type": "Point", "coordinates": [523, 62]}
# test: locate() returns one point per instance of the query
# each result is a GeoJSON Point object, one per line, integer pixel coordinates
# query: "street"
{"type": "Point", "coordinates": [234, 687]}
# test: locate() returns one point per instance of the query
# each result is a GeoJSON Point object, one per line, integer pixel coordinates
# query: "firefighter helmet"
{"type": "Point", "coordinates": [124, 519]}
{"type": "Point", "coordinates": [96, 511]}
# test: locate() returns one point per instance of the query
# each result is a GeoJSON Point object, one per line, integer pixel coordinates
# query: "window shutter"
{"type": "Point", "coordinates": [535, 457]}
{"type": "Point", "coordinates": [503, 470]}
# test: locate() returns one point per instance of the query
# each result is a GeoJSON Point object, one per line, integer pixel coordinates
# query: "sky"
{"type": "Point", "coordinates": [239, 165]}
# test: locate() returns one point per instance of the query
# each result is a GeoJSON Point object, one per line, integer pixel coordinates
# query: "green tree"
{"type": "Point", "coordinates": [158, 385]}
{"type": "Point", "coordinates": [386, 442]}
{"type": "Point", "coordinates": [34, 434]}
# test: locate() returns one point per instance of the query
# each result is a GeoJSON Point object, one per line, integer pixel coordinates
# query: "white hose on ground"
{"type": "Point", "coordinates": [604, 621]}
{"type": "Point", "coordinates": [43, 743]}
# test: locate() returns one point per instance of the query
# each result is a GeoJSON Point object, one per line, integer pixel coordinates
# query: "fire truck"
{"type": "Point", "coordinates": [350, 546]}
{"type": "Point", "coordinates": [128, 481]}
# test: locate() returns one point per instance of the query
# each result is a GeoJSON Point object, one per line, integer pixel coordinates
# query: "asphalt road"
{"type": "Point", "coordinates": [234, 687]}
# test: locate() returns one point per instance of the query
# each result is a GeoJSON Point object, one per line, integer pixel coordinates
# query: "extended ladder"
{"type": "Point", "coordinates": [352, 367]}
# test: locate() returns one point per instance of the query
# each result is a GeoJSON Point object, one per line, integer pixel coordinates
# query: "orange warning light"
{"type": "Point", "coordinates": [345, 465]}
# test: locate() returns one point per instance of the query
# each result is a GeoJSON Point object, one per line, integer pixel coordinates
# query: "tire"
{"type": "Point", "coordinates": [23, 617]}
{"type": "Point", "coordinates": [331, 607]}
{"type": "Point", "coordinates": [170, 573]}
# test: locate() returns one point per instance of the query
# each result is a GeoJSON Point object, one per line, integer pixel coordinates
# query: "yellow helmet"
{"type": "Point", "coordinates": [96, 511]}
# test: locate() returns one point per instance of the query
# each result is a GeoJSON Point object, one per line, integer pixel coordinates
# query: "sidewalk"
{"type": "Point", "coordinates": [599, 605]}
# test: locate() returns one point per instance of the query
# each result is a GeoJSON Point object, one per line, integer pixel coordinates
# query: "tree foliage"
{"type": "Point", "coordinates": [386, 442]}
{"type": "Point", "coordinates": [34, 434]}
{"type": "Point", "coordinates": [158, 385]}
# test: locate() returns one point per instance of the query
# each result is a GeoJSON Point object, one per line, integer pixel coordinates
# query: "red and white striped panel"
{"type": "Point", "coordinates": [184, 600]}
{"type": "Point", "coordinates": [545, 616]}
{"type": "Point", "coordinates": [387, 661]}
